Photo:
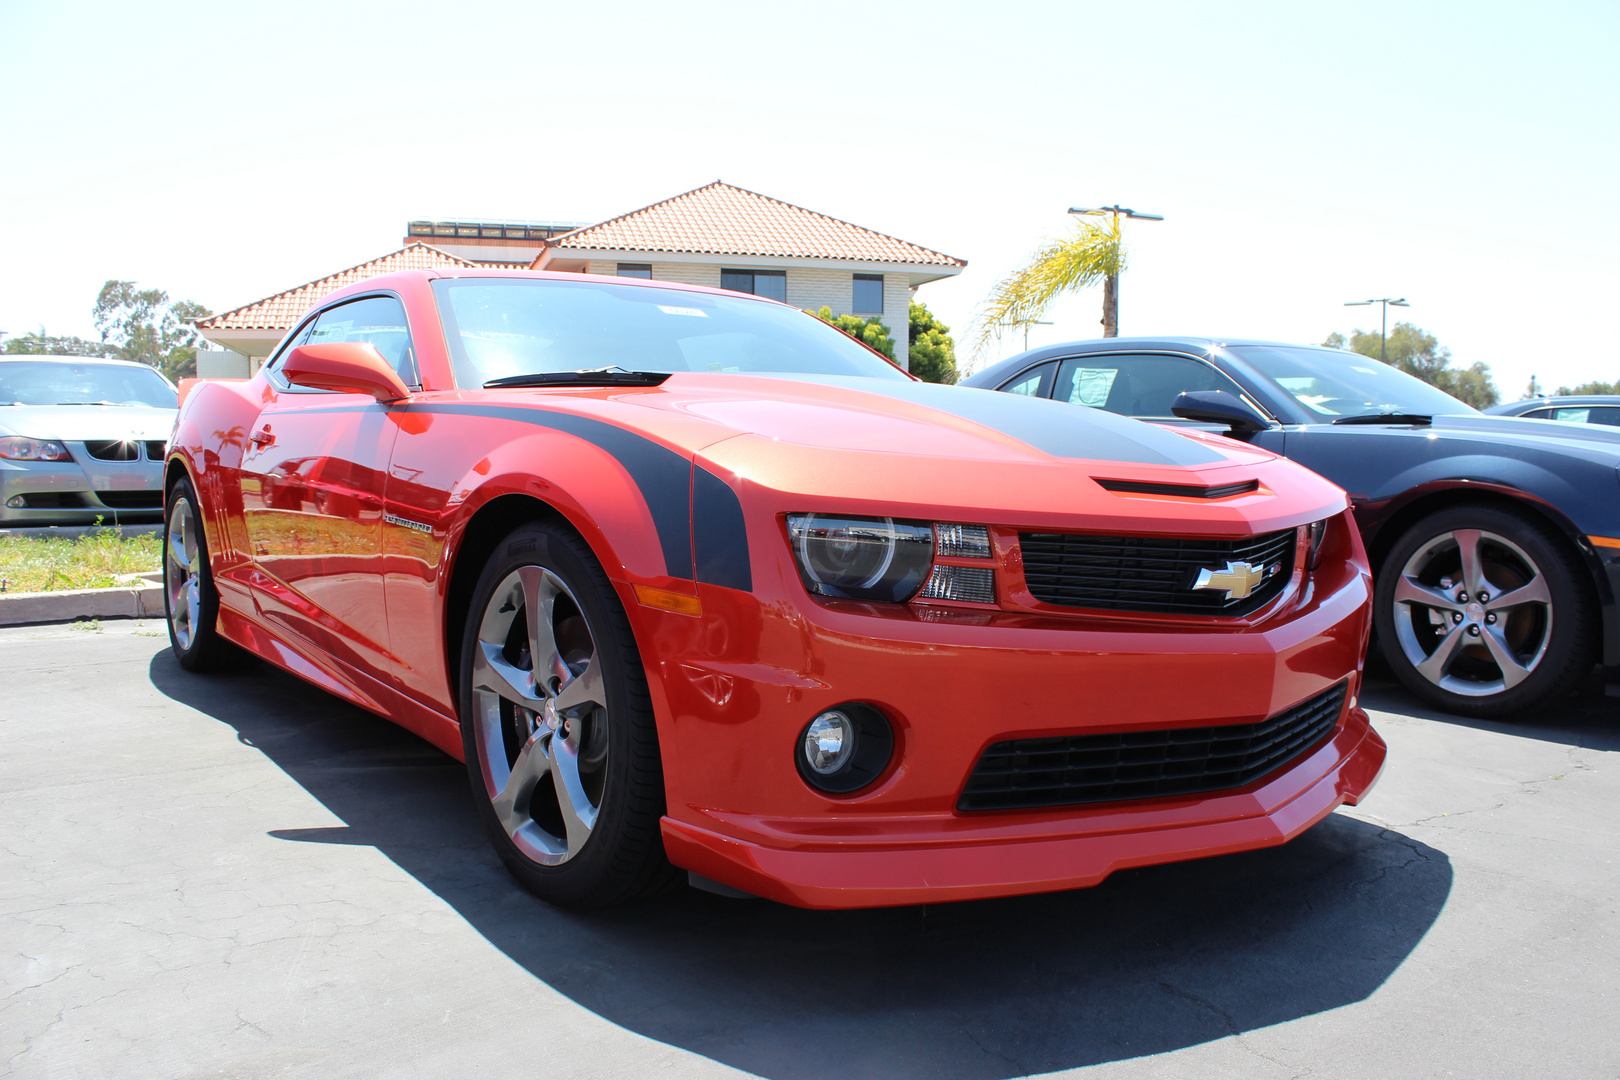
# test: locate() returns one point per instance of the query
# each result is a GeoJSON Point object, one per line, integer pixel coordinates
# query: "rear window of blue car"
{"type": "Point", "coordinates": [498, 328]}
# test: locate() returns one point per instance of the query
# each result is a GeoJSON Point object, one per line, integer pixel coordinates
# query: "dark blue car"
{"type": "Point", "coordinates": [1495, 540]}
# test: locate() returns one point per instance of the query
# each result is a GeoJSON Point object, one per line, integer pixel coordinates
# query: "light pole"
{"type": "Point", "coordinates": [1383, 326]}
{"type": "Point", "coordinates": [1110, 317]}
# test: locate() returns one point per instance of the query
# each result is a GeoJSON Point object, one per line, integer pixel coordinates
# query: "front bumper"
{"type": "Point", "coordinates": [735, 688]}
{"type": "Point", "coordinates": [79, 492]}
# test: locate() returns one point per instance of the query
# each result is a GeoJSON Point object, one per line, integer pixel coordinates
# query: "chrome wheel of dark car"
{"type": "Point", "coordinates": [1481, 612]}
{"type": "Point", "coordinates": [190, 603]}
{"type": "Point", "coordinates": [559, 735]}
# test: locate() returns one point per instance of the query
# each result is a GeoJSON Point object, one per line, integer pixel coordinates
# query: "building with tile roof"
{"type": "Point", "coordinates": [716, 235]}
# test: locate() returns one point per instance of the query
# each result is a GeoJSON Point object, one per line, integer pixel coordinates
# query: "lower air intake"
{"type": "Point", "coordinates": [1072, 769]}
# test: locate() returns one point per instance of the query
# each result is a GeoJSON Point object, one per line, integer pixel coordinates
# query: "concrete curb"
{"type": "Point", "coordinates": [142, 598]}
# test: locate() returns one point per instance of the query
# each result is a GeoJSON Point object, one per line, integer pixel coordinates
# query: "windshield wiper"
{"type": "Point", "coordinates": [605, 376]}
{"type": "Point", "coordinates": [1386, 418]}
{"type": "Point", "coordinates": [116, 403]}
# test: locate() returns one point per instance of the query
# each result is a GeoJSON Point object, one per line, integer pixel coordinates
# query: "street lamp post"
{"type": "Point", "coordinates": [1383, 325]}
{"type": "Point", "coordinates": [1110, 317]}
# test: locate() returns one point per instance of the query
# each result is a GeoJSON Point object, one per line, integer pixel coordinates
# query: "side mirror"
{"type": "Point", "coordinates": [1219, 407]}
{"type": "Point", "coordinates": [350, 367]}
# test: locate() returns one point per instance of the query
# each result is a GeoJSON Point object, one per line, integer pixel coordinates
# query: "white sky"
{"type": "Point", "coordinates": [1464, 155]}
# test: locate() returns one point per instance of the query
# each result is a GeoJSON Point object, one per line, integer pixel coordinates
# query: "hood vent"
{"type": "Point", "coordinates": [1185, 491]}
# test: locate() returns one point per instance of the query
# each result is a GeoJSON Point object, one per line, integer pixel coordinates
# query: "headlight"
{"type": "Point", "coordinates": [17, 448]}
{"type": "Point", "coordinates": [862, 558]}
{"type": "Point", "coordinates": [1316, 530]}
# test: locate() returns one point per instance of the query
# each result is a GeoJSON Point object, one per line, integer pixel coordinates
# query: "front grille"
{"type": "Point", "coordinates": [113, 449]}
{"type": "Point", "coordinates": [1071, 769]}
{"type": "Point", "coordinates": [54, 500]}
{"type": "Point", "coordinates": [155, 449]}
{"type": "Point", "coordinates": [1126, 573]}
{"type": "Point", "coordinates": [132, 500]}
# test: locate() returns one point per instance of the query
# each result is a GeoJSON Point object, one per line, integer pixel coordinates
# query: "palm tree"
{"type": "Point", "coordinates": [1095, 252]}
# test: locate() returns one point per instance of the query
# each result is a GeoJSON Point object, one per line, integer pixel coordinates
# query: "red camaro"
{"type": "Point", "coordinates": [691, 579]}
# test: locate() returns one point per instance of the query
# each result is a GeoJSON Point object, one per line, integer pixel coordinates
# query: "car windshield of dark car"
{"type": "Point", "coordinates": [61, 382]}
{"type": "Point", "coordinates": [501, 327]}
{"type": "Point", "coordinates": [1332, 384]}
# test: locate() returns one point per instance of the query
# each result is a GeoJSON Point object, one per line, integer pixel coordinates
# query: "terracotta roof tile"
{"type": "Point", "coordinates": [723, 220]}
{"type": "Point", "coordinates": [281, 311]}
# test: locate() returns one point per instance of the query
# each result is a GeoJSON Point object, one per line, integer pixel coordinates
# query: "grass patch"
{"type": "Point", "coordinates": [92, 561]}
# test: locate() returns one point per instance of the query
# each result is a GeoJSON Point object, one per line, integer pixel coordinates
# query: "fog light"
{"type": "Point", "coordinates": [16, 502]}
{"type": "Point", "coordinates": [844, 748]}
{"type": "Point", "coordinates": [829, 742]}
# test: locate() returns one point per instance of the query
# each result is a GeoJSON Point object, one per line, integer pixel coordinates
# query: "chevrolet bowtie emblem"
{"type": "Point", "coordinates": [1236, 579]}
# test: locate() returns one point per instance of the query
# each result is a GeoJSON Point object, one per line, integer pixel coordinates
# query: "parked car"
{"type": "Point", "coordinates": [760, 606]}
{"type": "Point", "coordinates": [82, 438]}
{"type": "Point", "coordinates": [1573, 408]}
{"type": "Point", "coordinates": [1495, 541]}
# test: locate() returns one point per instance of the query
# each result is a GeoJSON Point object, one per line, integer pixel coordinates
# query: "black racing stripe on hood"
{"type": "Point", "coordinates": [664, 477]}
{"type": "Point", "coordinates": [1053, 427]}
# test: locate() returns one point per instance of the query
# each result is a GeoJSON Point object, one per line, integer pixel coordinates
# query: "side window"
{"type": "Point", "coordinates": [1606, 415]}
{"type": "Point", "coordinates": [1037, 382]}
{"type": "Point", "coordinates": [1576, 416]}
{"type": "Point", "coordinates": [1133, 384]}
{"type": "Point", "coordinates": [1538, 414]}
{"type": "Point", "coordinates": [378, 321]}
{"type": "Point", "coordinates": [294, 339]}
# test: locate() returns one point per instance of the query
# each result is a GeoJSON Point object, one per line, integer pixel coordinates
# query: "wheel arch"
{"type": "Point", "coordinates": [478, 538]}
{"type": "Point", "coordinates": [1393, 523]}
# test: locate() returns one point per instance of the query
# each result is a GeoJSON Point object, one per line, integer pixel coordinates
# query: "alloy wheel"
{"type": "Point", "coordinates": [1473, 613]}
{"type": "Point", "coordinates": [540, 715]}
{"type": "Point", "coordinates": [180, 572]}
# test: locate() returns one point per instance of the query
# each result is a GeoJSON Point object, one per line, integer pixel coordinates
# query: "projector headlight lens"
{"type": "Point", "coordinates": [16, 448]}
{"type": "Point", "coordinates": [861, 558]}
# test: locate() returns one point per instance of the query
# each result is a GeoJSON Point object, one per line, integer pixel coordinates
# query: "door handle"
{"type": "Point", "coordinates": [262, 437]}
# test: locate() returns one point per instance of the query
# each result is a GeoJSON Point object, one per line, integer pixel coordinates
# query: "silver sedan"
{"type": "Point", "coordinates": [82, 438]}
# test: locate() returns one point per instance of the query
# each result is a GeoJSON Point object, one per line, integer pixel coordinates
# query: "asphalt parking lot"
{"type": "Point", "coordinates": [238, 876]}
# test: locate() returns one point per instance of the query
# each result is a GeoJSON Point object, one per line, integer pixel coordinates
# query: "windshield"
{"type": "Point", "coordinates": [502, 327]}
{"type": "Point", "coordinates": [1332, 384]}
{"type": "Point", "coordinates": [63, 382]}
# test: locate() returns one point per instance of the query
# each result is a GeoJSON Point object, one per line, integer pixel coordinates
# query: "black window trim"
{"type": "Point", "coordinates": [297, 337]}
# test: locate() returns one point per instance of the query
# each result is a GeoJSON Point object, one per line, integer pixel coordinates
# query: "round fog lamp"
{"type": "Point", "coordinates": [829, 742]}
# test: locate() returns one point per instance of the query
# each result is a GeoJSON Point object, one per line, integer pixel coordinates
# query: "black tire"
{"type": "Point", "coordinates": [1477, 658]}
{"type": "Point", "coordinates": [565, 769]}
{"type": "Point", "coordinates": [190, 601]}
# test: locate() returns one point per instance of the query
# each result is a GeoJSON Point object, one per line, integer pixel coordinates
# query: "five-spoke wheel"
{"type": "Point", "coordinates": [558, 729]}
{"type": "Point", "coordinates": [189, 598]}
{"type": "Point", "coordinates": [1481, 612]}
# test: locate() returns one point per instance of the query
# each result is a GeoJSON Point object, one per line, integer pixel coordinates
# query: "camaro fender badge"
{"type": "Point", "coordinates": [394, 519]}
{"type": "Point", "coordinates": [1236, 579]}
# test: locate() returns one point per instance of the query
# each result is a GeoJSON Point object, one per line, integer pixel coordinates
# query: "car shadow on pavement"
{"type": "Point", "coordinates": [1152, 960]}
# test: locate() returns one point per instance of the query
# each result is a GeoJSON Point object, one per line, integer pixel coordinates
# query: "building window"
{"type": "Point", "coordinates": [640, 270]}
{"type": "Point", "coordinates": [868, 298]}
{"type": "Point", "coordinates": [771, 284]}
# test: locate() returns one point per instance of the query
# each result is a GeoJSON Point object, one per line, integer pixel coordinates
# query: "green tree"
{"type": "Point", "coordinates": [930, 353]}
{"type": "Point", "coordinates": [43, 344]}
{"type": "Point", "coordinates": [1591, 388]}
{"type": "Point", "coordinates": [1093, 252]}
{"type": "Point", "coordinates": [870, 332]}
{"type": "Point", "coordinates": [142, 325]}
{"type": "Point", "coordinates": [1421, 354]}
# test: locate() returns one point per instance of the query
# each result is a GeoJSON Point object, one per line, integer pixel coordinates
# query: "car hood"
{"type": "Point", "coordinates": [76, 423]}
{"type": "Point", "coordinates": [876, 444]}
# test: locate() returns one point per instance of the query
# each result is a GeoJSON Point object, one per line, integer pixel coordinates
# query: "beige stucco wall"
{"type": "Point", "coordinates": [809, 287]}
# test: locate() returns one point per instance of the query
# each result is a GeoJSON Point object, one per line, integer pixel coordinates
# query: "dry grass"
{"type": "Point", "coordinates": [93, 561]}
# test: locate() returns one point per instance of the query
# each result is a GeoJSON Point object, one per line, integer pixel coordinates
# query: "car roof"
{"type": "Point", "coordinates": [1565, 399]}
